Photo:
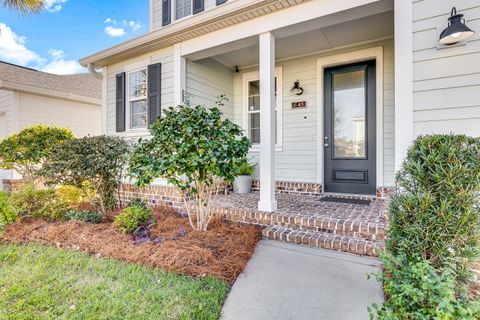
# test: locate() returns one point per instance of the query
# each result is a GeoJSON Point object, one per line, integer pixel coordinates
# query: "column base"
{"type": "Point", "coordinates": [267, 206]}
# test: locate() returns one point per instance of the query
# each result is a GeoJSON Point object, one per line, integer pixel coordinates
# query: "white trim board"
{"type": "Point", "coordinates": [375, 53]}
{"type": "Point", "coordinates": [404, 131]}
{"type": "Point", "coordinates": [255, 75]}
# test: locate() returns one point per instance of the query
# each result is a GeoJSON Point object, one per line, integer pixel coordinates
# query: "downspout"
{"type": "Point", "coordinates": [95, 73]}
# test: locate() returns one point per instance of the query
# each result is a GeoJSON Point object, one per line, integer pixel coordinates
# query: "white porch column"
{"type": "Point", "coordinates": [404, 130]}
{"type": "Point", "coordinates": [180, 75]}
{"type": "Point", "coordinates": [267, 123]}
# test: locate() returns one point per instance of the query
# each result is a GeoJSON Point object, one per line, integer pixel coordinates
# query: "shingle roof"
{"type": "Point", "coordinates": [82, 84]}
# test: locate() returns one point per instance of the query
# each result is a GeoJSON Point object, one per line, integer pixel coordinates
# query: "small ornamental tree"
{"type": "Point", "coordinates": [195, 150]}
{"type": "Point", "coordinates": [26, 150]}
{"type": "Point", "coordinates": [93, 164]}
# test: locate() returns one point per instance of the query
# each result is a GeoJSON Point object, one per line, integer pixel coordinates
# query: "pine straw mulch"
{"type": "Point", "coordinates": [222, 251]}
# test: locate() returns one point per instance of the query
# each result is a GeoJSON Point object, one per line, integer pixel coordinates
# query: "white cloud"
{"type": "Point", "coordinates": [110, 20]}
{"type": "Point", "coordinates": [119, 29]}
{"type": "Point", "coordinates": [134, 25]}
{"type": "Point", "coordinates": [115, 32]}
{"type": "Point", "coordinates": [13, 49]}
{"type": "Point", "coordinates": [59, 65]}
{"type": "Point", "coordinates": [53, 5]}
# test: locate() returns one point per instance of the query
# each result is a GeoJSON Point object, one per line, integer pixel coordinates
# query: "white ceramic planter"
{"type": "Point", "coordinates": [242, 184]}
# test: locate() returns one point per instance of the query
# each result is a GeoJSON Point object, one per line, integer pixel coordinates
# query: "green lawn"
{"type": "Point", "coordinates": [38, 282]}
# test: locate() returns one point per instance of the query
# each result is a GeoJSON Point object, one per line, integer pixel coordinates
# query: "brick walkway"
{"type": "Point", "coordinates": [353, 228]}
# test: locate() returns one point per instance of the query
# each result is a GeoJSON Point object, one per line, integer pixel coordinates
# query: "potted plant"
{"type": "Point", "coordinates": [243, 182]}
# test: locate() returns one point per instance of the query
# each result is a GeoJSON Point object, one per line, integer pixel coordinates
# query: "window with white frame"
{"type": "Point", "coordinates": [252, 98]}
{"type": "Point", "coordinates": [182, 8]}
{"type": "Point", "coordinates": [137, 99]}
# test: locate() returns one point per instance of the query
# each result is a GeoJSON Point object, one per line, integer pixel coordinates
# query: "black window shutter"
{"type": "Point", "coordinates": [154, 92]}
{"type": "Point", "coordinates": [198, 6]}
{"type": "Point", "coordinates": [120, 102]}
{"type": "Point", "coordinates": [166, 12]}
{"type": "Point", "coordinates": [219, 2]}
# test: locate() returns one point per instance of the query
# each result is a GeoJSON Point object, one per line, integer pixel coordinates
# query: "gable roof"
{"type": "Point", "coordinates": [72, 86]}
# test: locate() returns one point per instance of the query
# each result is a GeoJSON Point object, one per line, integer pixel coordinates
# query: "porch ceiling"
{"type": "Point", "coordinates": [309, 38]}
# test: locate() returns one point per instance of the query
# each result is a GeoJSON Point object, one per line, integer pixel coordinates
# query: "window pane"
{"type": "Point", "coordinates": [349, 114]}
{"type": "Point", "coordinates": [254, 95]}
{"type": "Point", "coordinates": [183, 8]}
{"type": "Point", "coordinates": [254, 125]}
{"type": "Point", "coordinates": [137, 82]}
{"type": "Point", "coordinates": [138, 114]}
{"type": "Point", "coordinates": [254, 106]}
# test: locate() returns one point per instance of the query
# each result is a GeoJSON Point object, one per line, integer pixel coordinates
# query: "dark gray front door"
{"type": "Point", "coordinates": [349, 137]}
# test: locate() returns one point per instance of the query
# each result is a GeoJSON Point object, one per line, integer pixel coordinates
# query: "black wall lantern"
{"type": "Point", "coordinates": [297, 90]}
{"type": "Point", "coordinates": [456, 31]}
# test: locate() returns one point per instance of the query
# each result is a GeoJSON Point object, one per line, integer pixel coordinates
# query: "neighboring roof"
{"type": "Point", "coordinates": [72, 86]}
{"type": "Point", "coordinates": [230, 13]}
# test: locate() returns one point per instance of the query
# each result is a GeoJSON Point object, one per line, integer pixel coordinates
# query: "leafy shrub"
{"type": "Point", "coordinates": [196, 150]}
{"type": "Point", "coordinates": [70, 194]}
{"type": "Point", "coordinates": [137, 202]}
{"type": "Point", "coordinates": [417, 290]}
{"type": "Point", "coordinates": [132, 217]}
{"type": "Point", "coordinates": [42, 204]}
{"type": "Point", "coordinates": [435, 214]}
{"type": "Point", "coordinates": [246, 169]}
{"type": "Point", "coordinates": [25, 150]}
{"type": "Point", "coordinates": [96, 162]}
{"type": "Point", "coordinates": [8, 214]}
{"type": "Point", "coordinates": [84, 215]}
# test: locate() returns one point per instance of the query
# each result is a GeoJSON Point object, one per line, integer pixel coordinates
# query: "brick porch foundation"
{"type": "Point", "coordinates": [301, 219]}
{"type": "Point", "coordinates": [154, 195]}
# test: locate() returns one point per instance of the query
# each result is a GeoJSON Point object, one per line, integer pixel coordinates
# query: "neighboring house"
{"type": "Point", "coordinates": [30, 97]}
{"type": "Point", "coordinates": [372, 76]}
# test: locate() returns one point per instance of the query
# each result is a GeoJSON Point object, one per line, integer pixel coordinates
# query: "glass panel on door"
{"type": "Point", "coordinates": [349, 114]}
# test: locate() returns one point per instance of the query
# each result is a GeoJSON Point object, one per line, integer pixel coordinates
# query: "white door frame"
{"type": "Point", "coordinates": [375, 53]}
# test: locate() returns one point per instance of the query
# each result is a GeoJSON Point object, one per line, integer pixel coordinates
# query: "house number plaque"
{"type": "Point", "coordinates": [299, 104]}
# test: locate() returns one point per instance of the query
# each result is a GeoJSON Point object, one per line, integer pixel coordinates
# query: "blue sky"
{"type": "Point", "coordinates": [68, 30]}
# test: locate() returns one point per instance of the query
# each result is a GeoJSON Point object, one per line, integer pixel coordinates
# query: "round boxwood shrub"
{"type": "Point", "coordinates": [134, 216]}
{"type": "Point", "coordinates": [435, 213]}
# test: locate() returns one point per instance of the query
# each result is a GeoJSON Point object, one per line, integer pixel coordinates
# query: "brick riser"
{"type": "Point", "coordinates": [325, 241]}
{"type": "Point", "coordinates": [332, 226]}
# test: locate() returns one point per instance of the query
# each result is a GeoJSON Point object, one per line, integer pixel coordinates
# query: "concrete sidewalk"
{"type": "Point", "coordinates": [285, 281]}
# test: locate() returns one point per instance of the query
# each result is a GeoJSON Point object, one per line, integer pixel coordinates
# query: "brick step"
{"type": "Point", "coordinates": [324, 240]}
{"type": "Point", "coordinates": [335, 226]}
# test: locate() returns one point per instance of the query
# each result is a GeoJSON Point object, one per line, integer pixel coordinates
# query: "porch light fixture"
{"type": "Point", "coordinates": [297, 90]}
{"type": "Point", "coordinates": [456, 31]}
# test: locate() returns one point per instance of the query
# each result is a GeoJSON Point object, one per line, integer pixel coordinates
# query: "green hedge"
{"type": "Point", "coordinates": [433, 237]}
{"type": "Point", "coordinates": [435, 214]}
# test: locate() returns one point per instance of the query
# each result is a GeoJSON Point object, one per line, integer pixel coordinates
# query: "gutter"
{"type": "Point", "coordinates": [93, 72]}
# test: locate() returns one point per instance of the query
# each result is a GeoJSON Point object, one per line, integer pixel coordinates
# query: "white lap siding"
{"type": "Point", "coordinates": [6, 112]}
{"type": "Point", "coordinates": [163, 56]}
{"type": "Point", "coordinates": [446, 81]}
{"type": "Point", "coordinates": [81, 118]}
{"type": "Point", "coordinates": [297, 159]}
{"type": "Point", "coordinates": [208, 79]}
